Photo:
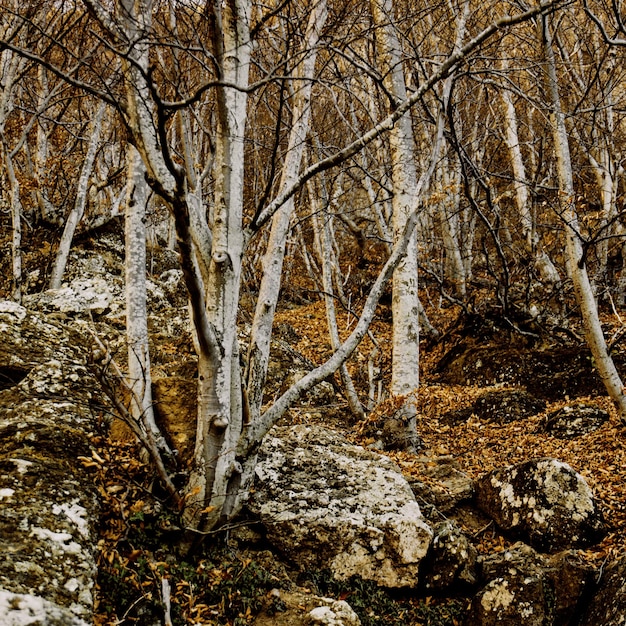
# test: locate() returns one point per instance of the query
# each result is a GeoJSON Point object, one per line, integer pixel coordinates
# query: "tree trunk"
{"type": "Point", "coordinates": [80, 202]}
{"type": "Point", "coordinates": [213, 490]}
{"type": "Point", "coordinates": [575, 259]}
{"type": "Point", "coordinates": [258, 354]}
{"type": "Point", "coordinates": [547, 272]}
{"type": "Point", "coordinates": [139, 373]}
{"type": "Point", "coordinates": [405, 307]}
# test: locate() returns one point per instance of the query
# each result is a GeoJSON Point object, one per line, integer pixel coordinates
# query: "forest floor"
{"type": "Point", "coordinates": [133, 559]}
{"type": "Point", "coordinates": [224, 584]}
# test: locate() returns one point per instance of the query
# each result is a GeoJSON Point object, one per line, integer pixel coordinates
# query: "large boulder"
{"type": "Point", "coordinates": [326, 503]}
{"type": "Point", "coordinates": [48, 504]}
{"type": "Point", "coordinates": [544, 502]}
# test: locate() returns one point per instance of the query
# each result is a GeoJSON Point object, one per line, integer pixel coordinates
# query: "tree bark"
{"type": "Point", "coordinates": [258, 354]}
{"type": "Point", "coordinates": [76, 214]}
{"type": "Point", "coordinates": [574, 253]}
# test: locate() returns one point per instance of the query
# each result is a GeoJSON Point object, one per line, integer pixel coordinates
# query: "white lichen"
{"type": "Point", "coordinates": [76, 514]}
{"type": "Point", "coordinates": [22, 465]}
{"type": "Point", "coordinates": [497, 595]}
{"type": "Point", "coordinates": [62, 540]}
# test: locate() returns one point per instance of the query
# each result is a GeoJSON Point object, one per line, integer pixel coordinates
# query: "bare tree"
{"type": "Point", "coordinates": [212, 54]}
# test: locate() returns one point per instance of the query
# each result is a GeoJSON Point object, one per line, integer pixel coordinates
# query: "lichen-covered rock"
{"type": "Point", "coordinates": [23, 610]}
{"type": "Point", "coordinates": [81, 295]}
{"type": "Point", "coordinates": [451, 560]}
{"type": "Point", "coordinates": [608, 606]}
{"type": "Point", "coordinates": [543, 501]}
{"type": "Point", "coordinates": [49, 508]}
{"type": "Point", "coordinates": [326, 503]}
{"type": "Point", "coordinates": [575, 420]}
{"type": "Point", "coordinates": [510, 601]}
{"type": "Point", "coordinates": [501, 406]}
{"type": "Point", "coordinates": [548, 588]}
{"type": "Point", "coordinates": [335, 613]}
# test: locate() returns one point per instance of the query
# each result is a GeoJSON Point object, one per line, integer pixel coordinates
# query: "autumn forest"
{"type": "Point", "coordinates": [431, 166]}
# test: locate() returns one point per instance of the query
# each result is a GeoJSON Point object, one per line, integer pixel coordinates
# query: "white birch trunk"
{"type": "Point", "coordinates": [16, 222]}
{"type": "Point", "coordinates": [9, 67]}
{"type": "Point", "coordinates": [449, 207]}
{"type": "Point", "coordinates": [258, 356]}
{"type": "Point", "coordinates": [573, 249]}
{"type": "Point", "coordinates": [76, 214]}
{"type": "Point", "coordinates": [547, 271]}
{"type": "Point", "coordinates": [405, 300]}
{"type": "Point", "coordinates": [139, 373]}
{"type": "Point", "coordinates": [323, 233]}
{"type": "Point", "coordinates": [214, 493]}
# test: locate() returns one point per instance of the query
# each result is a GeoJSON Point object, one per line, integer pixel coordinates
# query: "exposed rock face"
{"type": "Point", "coordinates": [329, 504]}
{"type": "Point", "coordinates": [48, 509]}
{"type": "Point", "coordinates": [21, 609]}
{"type": "Point", "coordinates": [524, 587]}
{"type": "Point", "coordinates": [608, 606]}
{"type": "Point", "coordinates": [575, 420]}
{"type": "Point", "coordinates": [543, 501]}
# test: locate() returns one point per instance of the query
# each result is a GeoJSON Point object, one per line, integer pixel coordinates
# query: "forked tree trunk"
{"type": "Point", "coordinates": [213, 492]}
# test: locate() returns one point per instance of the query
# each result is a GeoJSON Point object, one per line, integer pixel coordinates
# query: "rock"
{"type": "Point", "coordinates": [543, 501]}
{"type": "Point", "coordinates": [446, 488]}
{"type": "Point", "coordinates": [326, 503]}
{"type": "Point", "coordinates": [337, 613]}
{"type": "Point", "coordinates": [21, 609]}
{"type": "Point", "coordinates": [608, 606]}
{"type": "Point", "coordinates": [524, 587]}
{"type": "Point", "coordinates": [49, 507]}
{"type": "Point", "coordinates": [94, 295]}
{"type": "Point", "coordinates": [575, 420]}
{"type": "Point", "coordinates": [501, 406]}
{"type": "Point", "coordinates": [297, 608]}
{"type": "Point", "coordinates": [550, 374]}
{"type": "Point", "coordinates": [509, 601]}
{"type": "Point", "coordinates": [451, 560]}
